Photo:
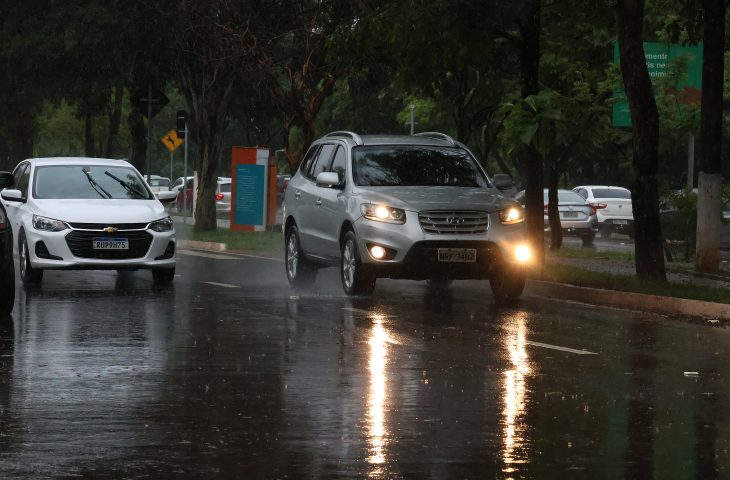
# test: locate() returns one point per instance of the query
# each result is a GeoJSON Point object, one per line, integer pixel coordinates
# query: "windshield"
{"type": "Point", "coordinates": [91, 181]}
{"type": "Point", "coordinates": [382, 166]}
{"type": "Point", "coordinates": [611, 193]}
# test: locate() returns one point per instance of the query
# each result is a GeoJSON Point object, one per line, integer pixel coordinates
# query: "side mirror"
{"type": "Point", "coordinates": [166, 197]}
{"type": "Point", "coordinates": [12, 195]}
{"type": "Point", "coordinates": [503, 181]}
{"type": "Point", "coordinates": [6, 179]}
{"type": "Point", "coordinates": [329, 180]}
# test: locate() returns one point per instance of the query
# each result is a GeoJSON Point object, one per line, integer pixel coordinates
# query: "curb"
{"type": "Point", "coordinates": [211, 246]}
{"type": "Point", "coordinates": [670, 306]}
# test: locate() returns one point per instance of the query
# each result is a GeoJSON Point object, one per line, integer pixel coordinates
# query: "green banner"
{"type": "Point", "coordinates": [659, 57]}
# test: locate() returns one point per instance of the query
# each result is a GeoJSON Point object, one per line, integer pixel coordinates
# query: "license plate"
{"type": "Point", "coordinates": [570, 214]}
{"type": "Point", "coordinates": [620, 222]}
{"type": "Point", "coordinates": [111, 244]}
{"type": "Point", "coordinates": [457, 254]}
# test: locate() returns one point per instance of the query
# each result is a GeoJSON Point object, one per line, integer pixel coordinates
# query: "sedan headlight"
{"type": "Point", "coordinates": [512, 215]}
{"type": "Point", "coordinates": [383, 213]}
{"type": "Point", "coordinates": [48, 224]}
{"type": "Point", "coordinates": [162, 225]}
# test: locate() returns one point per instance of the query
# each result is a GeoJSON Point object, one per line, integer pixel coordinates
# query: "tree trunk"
{"type": "Point", "coordinates": [645, 127]}
{"type": "Point", "coordinates": [710, 175]}
{"type": "Point", "coordinates": [530, 78]}
{"type": "Point", "coordinates": [135, 122]}
{"type": "Point", "coordinates": [115, 119]}
{"type": "Point", "coordinates": [21, 129]}
{"type": "Point", "coordinates": [556, 230]}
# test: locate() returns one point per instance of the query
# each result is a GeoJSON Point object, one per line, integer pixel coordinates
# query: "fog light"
{"type": "Point", "coordinates": [377, 252]}
{"type": "Point", "coordinates": [523, 253]}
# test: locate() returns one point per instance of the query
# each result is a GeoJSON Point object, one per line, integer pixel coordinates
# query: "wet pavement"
{"type": "Point", "coordinates": [230, 374]}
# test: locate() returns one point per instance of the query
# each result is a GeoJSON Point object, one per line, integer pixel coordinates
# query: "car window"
{"type": "Point", "coordinates": [159, 182]}
{"type": "Point", "coordinates": [224, 187]}
{"type": "Point", "coordinates": [308, 159]}
{"type": "Point", "coordinates": [566, 196]}
{"type": "Point", "coordinates": [611, 193]}
{"type": "Point", "coordinates": [339, 163]}
{"type": "Point", "coordinates": [17, 174]}
{"type": "Point", "coordinates": [582, 192]}
{"type": "Point", "coordinates": [90, 181]}
{"type": "Point", "coordinates": [323, 161]}
{"type": "Point", "coordinates": [405, 165]}
{"type": "Point", "coordinates": [22, 183]}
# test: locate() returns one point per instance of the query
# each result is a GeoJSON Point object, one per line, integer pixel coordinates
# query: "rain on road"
{"type": "Point", "coordinates": [229, 373]}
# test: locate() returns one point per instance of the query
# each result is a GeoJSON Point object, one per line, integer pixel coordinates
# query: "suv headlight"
{"type": "Point", "coordinates": [48, 224]}
{"type": "Point", "coordinates": [162, 225]}
{"type": "Point", "coordinates": [383, 213]}
{"type": "Point", "coordinates": [512, 215]}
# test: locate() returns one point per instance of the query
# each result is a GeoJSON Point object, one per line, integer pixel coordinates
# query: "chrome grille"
{"type": "Point", "coordinates": [454, 221]}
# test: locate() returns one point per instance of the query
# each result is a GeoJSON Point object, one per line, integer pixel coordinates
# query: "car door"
{"type": "Point", "coordinates": [329, 208]}
{"type": "Point", "coordinates": [306, 195]}
{"type": "Point", "coordinates": [15, 210]}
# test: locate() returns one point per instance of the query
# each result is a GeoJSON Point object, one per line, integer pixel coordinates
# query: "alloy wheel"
{"type": "Point", "coordinates": [292, 256]}
{"type": "Point", "coordinates": [348, 264]}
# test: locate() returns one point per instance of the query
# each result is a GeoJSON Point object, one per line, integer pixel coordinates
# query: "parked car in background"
{"type": "Point", "coordinates": [577, 216]}
{"type": "Point", "coordinates": [88, 214]}
{"type": "Point", "coordinates": [158, 184]}
{"type": "Point", "coordinates": [223, 196]}
{"type": "Point", "coordinates": [177, 185]}
{"type": "Point", "coordinates": [281, 183]}
{"type": "Point", "coordinates": [7, 271]}
{"type": "Point", "coordinates": [416, 207]}
{"type": "Point", "coordinates": [617, 215]}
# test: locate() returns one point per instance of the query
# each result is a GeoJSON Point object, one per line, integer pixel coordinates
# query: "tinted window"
{"type": "Point", "coordinates": [323, 162]}
{"type": "Point", "coordinates": [224, 188]}
{"type": "Point", "coordinates": [308, 159]}
{"type": "Point", "coordinates": [611, 193]}
{"type": "Point", "coordinates": [71, 181]}
{"type": "Point", "coordinates": [339, 163]}
{"type": "Point", "coordinates": [415, 166]}
{"type": "Point", "coordinates": [17, 173]}
{"type": "Point", "coordinates": [566, 196]}
{"type": "Point", "coordinates": [23, 180]}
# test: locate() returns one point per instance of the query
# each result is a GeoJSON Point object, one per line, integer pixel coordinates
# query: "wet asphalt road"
{"type": "Point", "coordinates": [230, 374]}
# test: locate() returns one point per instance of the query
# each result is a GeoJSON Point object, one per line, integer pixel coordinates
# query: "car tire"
{"type": "Point", "coordinates": [356, 280]}
{"type": "Point", "coordinates": [28, 274]}
{"type": "Point", "coordinates": [588, 238]}
{"type": "Point", "coordinates": [163, 275]}
{"type": "Point", "coordinates": [7, 282]}
{"type": "Point", "coordinates": [299, 271]}
{"type": "Point", "coordinates": [508, 284]}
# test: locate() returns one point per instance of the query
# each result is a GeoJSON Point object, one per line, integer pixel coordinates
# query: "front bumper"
{"type": "Point", "coordinates": [413, 254]}
{"type": "Point", "coordinates": [72, 249]}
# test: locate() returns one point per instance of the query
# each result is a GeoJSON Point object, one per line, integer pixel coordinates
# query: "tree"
{"type": "Point", "coordinates": [710, 168]}
{"type": "Point", "coordinates": [209, 67]}
{"type": "Point", "coordinates": [645, 126]}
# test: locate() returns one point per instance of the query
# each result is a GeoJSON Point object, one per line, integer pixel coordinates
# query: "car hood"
{"type": "Point", "coordinates": [437, 198]}
{"type": "Point", "coordinates": [101, 210]}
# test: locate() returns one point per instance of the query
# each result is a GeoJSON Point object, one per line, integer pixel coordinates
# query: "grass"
{"type": "Point", "coordinates": [271, 241]}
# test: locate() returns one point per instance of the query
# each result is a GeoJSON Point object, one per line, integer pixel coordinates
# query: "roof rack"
{"type": "Point", "coordinates": [345, 133]}
{"type": "Point", "coordinates": [438, 135]}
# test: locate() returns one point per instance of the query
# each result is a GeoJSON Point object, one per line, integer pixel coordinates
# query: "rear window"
{"type": "Point", "coordinates": [224, 188]}
{"type": "Point", "coordinates": [566, 196]}
{"type": "Point", "coordinates": [611, 193]}
{"type": "Point", "coordinates": [405, 166]}
{"type": "Point", "coordinates": [159, 182]}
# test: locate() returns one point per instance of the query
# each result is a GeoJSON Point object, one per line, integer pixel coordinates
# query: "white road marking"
{"type": "Point", "coordinates": [214, 256]}
{"type": "Point", "coordinates": [562, 349]}
{"type": "Point", "coordinates": [226, 285]}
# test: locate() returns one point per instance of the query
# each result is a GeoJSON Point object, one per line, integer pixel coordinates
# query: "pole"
{"type": "Point", "coordinates": [149, 130]}
{"type": "Point", "coordinates": [185, 176]}
{"type": "Point", "coordinates": [412, 107]}
{"type": "Point", "coordinates": [171, 167]}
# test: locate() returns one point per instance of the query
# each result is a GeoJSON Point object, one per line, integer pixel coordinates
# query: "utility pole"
{"type": "Point", "coordinates": [412, 107]}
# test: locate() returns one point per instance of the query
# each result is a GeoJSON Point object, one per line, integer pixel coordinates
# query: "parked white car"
{"type": "Point", "coordinates": [223, 195]}
{"type": "Point", "coordinates": [88, 213]}
{"type": "Point", "coordinates": [617, 215]}
{"type": "Point", "coordinates": [158, 184]}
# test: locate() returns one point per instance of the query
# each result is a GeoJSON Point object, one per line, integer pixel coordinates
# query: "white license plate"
{"type": "Point", "coordinates": [619, 222]}
{"type": "Point", "coordinates": [111, 244]}
{"type": "Point", "coordinates": [457, 254]}
{"type": "Point", "coordinates": [570, 214]}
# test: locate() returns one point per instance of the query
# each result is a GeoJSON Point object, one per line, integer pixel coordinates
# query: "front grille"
{"type": "Point", "coordinates": [81, 244]}
{"type": "Point", "coordinates": [454, 221]}
{"type": "Point", "coordinates": [102, 226]}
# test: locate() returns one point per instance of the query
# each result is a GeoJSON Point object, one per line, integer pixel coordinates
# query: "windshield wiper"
{"type": "Point", "coordinates": [127, 186]}
{"type": "Point", "coordinates": [97, 188]}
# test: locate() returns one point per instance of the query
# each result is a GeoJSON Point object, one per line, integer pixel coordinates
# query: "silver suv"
{"type": "Point", "coordinates": [416, 207]}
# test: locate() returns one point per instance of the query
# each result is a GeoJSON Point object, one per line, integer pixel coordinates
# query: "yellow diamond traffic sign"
{"type": "Point", "coordinates": [171, 140]}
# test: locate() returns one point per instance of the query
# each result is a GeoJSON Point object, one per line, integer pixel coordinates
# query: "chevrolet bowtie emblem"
{"type": "Point", "coordinates": [110, 229]}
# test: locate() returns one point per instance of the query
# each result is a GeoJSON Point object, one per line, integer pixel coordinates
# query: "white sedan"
{"type": "Point", "coordinates": [617, 215]}
{"type": "Point", "coordinates": [75, 213]}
